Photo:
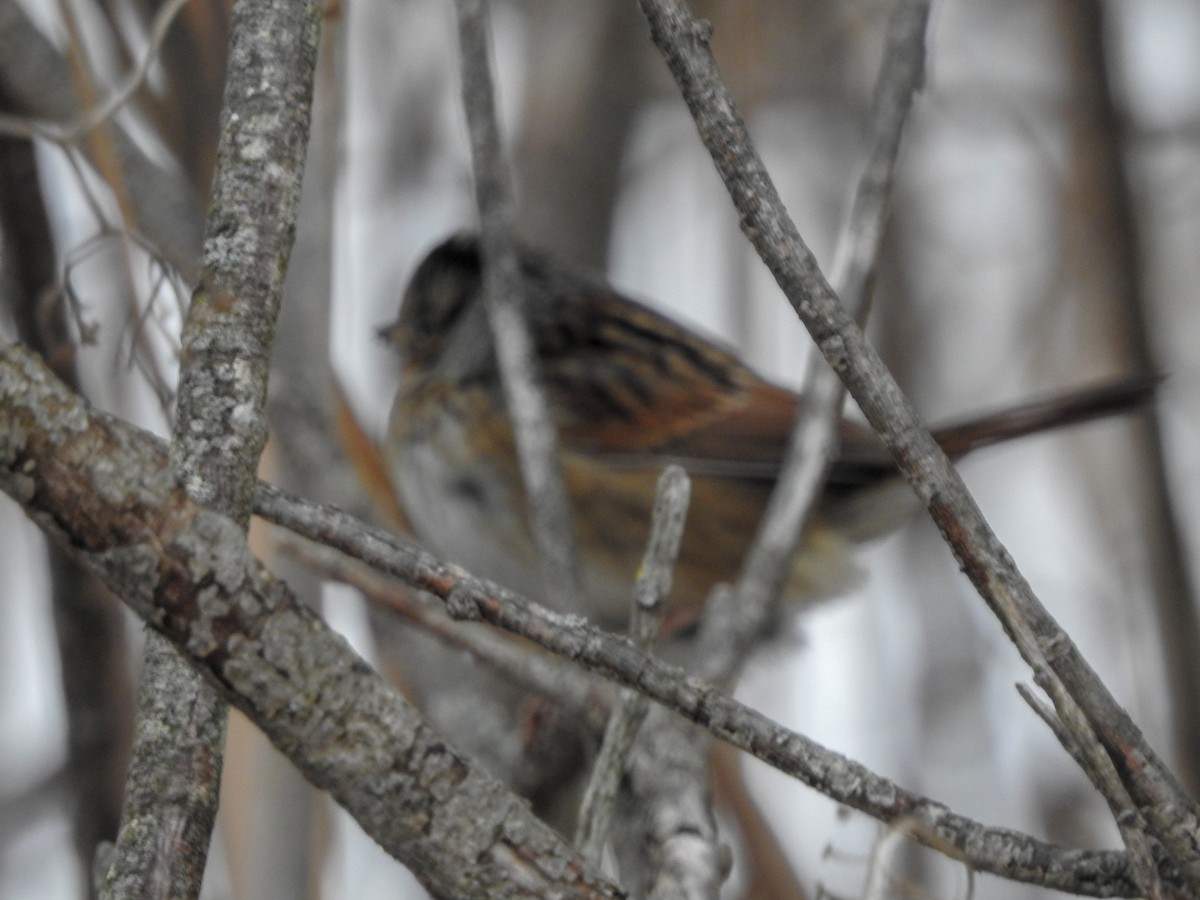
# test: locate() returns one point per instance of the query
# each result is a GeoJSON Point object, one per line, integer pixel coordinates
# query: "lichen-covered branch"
{"type": "Point", "coordinates": [103, 490]}
{"type": "Point", "coordinates": [220, 425]}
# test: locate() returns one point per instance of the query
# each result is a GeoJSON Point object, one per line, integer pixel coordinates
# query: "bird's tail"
{"type": "Point", "coordinates": [1041, 415]}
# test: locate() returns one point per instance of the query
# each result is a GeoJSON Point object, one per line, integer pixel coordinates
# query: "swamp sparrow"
{"type": "Point", "coordinates": [629, 390]}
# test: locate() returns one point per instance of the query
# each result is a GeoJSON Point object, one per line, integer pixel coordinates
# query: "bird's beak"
{"type": "Point", "coordinates": [390, 332]}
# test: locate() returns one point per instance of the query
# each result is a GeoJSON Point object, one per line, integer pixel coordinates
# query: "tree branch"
{"type": "Point", "coordinates": [103, 490]}
{"type": "Point", "coordinates": [733, 627]}
{"type": "Point", "coordinates": [1172, 816]}
{"type": "Point", "coordinates": [533, 430]}
{"type": "Point", "coordinates": [650, 591]}
{"type": "Point", "coordinates": [220, 429]}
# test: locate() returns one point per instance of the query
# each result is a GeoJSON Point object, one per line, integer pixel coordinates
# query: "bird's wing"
{"type": "Point", "coordinates": [634, 388]}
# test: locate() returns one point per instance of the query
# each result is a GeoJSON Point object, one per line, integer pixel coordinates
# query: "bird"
{"type": "Point", "coordinates": [629, 390]}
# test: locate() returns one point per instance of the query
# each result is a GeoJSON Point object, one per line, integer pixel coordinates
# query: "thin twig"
{"type": "Point", "coordinates": [63, 133]}
{"type": "Point", "coordinates": [1172, 816]}
{"type": "Point", "coordinates": [533, 429]}
{"type": "Point", "coordinates": [39, 87]}
{"type": "Point", "coordinates": [101, 145]}
{"type": "Point", "coordinates": [650, 591]}
{"type": "Point", "coordinates": [813, 443]}
{"type": "Point", "coordinates": [735, 623]}
{"type": "Point", "coordinates": [1090, 757]}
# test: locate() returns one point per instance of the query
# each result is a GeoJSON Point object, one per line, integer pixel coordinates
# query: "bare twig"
{"type": "Point", "coordinates": [901, 77]}
{"type": "Point", "coordinates": [731, 631]}
{"type": "Point", "coordinates": [672, 495]}
{"type": "Point", "coordinates": [732, 628]}
{"type": "Point", "coordinates": [1090, 757]}
{"type": "Point", "coordinates": [101, 146]}
{"type": "Point", "coordinates": [102, 143]}
{"type": "Point", "coordinates": [36, 79]}
{"type": "Point", "coordinates": [533, 429]}
{"type": "Point", "coordinates": [1171, 815]}
{"type": "Point", "coordinates": [649, 595]}
{"type": "Point", "coordinates": [813, 442]}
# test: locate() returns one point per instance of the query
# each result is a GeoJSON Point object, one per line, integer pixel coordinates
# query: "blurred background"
{"type": "Point", "coordinates": [1044, 235]}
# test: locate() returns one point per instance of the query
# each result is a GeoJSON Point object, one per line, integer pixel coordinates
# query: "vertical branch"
{"type": "Point", "coordinates": [653, 584]}
{"type": "Point", "coordinates": [220, 426]}
{"type": "Point", "coordinates": [272, 819]}
{"type": "Point", "coordinates": [1172, 816]}
{"type": "Point", "coordinates": [537, 443]}
{"type": "Point", "coordinates": [855, 262]}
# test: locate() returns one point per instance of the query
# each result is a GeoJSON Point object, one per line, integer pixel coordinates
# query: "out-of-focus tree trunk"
{"type": "Point", "coordinates": [584, 83]}
{"type": "Point", "coordinates": [89, 621]}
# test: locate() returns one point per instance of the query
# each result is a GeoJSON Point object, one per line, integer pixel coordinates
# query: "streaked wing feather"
{"type": "Point", "coordinates": [632, 387]}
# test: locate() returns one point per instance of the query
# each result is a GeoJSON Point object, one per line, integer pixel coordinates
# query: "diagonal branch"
{"type": "Point", "coordinates": [103, 490]}
{"type": "Point", "coordinates": [731, 630]}
{"type": "Point", "coordinates": [1172, 816]}
{"type": "Point", "coordinates": [812, 446]}
{"type": "Point", "coordinates": [533, 429]}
